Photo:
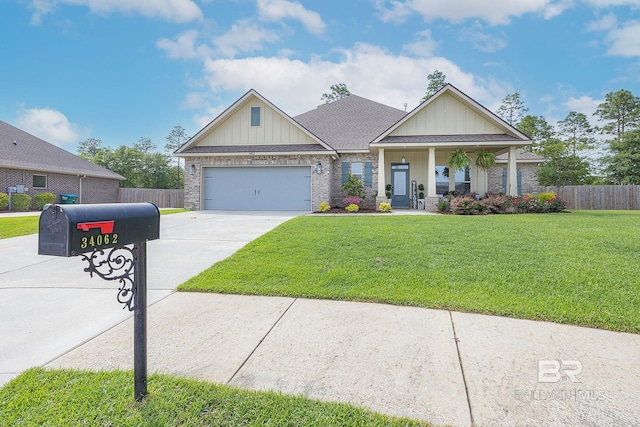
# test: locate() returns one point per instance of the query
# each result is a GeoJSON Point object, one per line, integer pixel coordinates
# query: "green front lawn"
{"type": "Point", "coordinates": [72, 398]}
{"type": "Point", "coordinates": [581, 268]}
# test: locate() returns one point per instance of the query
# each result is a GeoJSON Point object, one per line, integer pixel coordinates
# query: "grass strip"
{"type": "Point", "coordinates": [78, 398]}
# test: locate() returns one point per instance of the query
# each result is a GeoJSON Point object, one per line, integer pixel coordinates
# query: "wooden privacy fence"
{"type": "Point", "coordinates": [161, 198]}
{"type": "Point", "coordinates": [604, 197]}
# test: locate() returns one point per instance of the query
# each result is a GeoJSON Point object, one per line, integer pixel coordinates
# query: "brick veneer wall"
{"type": "Point", "coordinates": [336, 179]}
{"type": "Point", "coordinates": [95, 190]}
{"type": "Point", "coordinates": [320, 184]}
{"type": "Point", "coordinates": [529, 178]}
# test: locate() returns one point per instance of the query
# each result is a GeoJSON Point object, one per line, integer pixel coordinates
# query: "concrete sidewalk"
{"type": "Point", "coordinates": [443, 367]}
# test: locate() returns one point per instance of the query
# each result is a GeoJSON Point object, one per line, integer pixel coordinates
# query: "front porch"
{"type": "Point", "coordinates": [403, 169]}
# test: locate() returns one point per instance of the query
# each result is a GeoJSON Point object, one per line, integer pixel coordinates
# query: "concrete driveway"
{"type": "Point", "coordinates": [49, 305]}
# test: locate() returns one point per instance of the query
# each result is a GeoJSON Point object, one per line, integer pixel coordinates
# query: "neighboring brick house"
{"type": "Point", "coordinates": [43, 167]}
{"type": "Point", "coordinates": [253, 156]}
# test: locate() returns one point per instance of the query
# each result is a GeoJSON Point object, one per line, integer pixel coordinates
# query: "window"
{"type": "Point", "coordinates": [39, 181]}
{"type": "Point", "coordinates": [255, 116]}
{"type": "Point", "coordinates": [356, 170]}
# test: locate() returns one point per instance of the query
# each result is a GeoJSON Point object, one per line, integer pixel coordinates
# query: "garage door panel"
{"type": "Point", "coordinates": [258, 188]}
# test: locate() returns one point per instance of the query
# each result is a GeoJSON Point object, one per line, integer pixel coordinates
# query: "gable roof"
{"type": "Point", "coordinates": [21, 150]}
{"type": "Point", "coordinates": [191, 147]}
{"type": "Point", "coordinates": [509, 133]}
{"type": "Point", "coordinates": [350, 123]}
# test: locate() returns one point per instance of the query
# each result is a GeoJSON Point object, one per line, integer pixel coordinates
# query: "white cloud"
{"type": "Point", "coordinates": [609, 3]}
{"type": "Point", "coordinates": [48, 124]}
{"type": "Point", "coordinates": [481, 40]}
{"type": "Point", "coordinates": [170, 10]}
{"type": "Point", "coordinates": [624, 41]}
{"type": "Point", "coordinates": [184, 46]}
{"type": "Point", "coordinates": [423, 46]}
{"type": "Point", "coordinates": [495, 12]}
{"type": "Point", "coordinates": [244, 36]}
{"type": "Point", "coordinates": [369, 71]}
{"type": "Point", "coordinates": [41, 8]}
{"type": "Point", "coordinates": [275, 10]}
{"type": "Point", "coordinates": [606, 23]}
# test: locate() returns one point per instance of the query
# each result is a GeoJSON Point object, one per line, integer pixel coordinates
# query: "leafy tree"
{"type": "Point", "coordinates": [623, 165]}
{"type": "Point", "coordinates": [437, 80]}
{"type": "Point", "coordinates": [176, 138]}
{"type": "Point", "coordinates": [90, 148]}
{"type": "Point", "coordinates": [577, 131]}
{"type": "Point", "coordinates": [536, 128]}
{"type": "Point", "coordinates": [512, 109]}
{"type": "Point", "coordinates": [620, 111]}
{"type": "Point", "coordinates": [338, 91]}
{"type": "Point", "coordinates": [564, 170]}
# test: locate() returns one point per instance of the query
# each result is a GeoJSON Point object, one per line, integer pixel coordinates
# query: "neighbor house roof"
{"type": "Point", "coordinates": [21, 150]}
{"type": "Point", "coordinates": [350, 123]}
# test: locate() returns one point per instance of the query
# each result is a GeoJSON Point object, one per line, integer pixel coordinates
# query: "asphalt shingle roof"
{"type": "Point", "coordinates": [450, 138]}
{"type": "Point", "coordinates": [350, 123]}
{"type": "Point", "coordinates": [21, 150]}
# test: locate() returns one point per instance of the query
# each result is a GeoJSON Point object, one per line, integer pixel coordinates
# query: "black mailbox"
{"type": "Point", "coordinates": [70, 230]}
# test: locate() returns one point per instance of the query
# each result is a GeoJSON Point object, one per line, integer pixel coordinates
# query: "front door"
{"type": "Point", "coordinates": [400, 197]}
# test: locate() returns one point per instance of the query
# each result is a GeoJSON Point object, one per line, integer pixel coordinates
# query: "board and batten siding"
{"type": "Point", "coordinates": [446, 116]}
{"type": "Point", "coordinates": [274, 129]}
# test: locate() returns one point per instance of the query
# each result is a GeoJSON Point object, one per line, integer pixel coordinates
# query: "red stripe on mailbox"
{"type": "Point", "coordinates": [105, 227]}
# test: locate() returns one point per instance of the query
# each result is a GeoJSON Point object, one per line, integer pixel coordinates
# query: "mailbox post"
{"type": "Point", "coordinates": [100, 234]}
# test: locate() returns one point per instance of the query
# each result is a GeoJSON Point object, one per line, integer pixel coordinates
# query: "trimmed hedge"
{"type": "Point", "coordinates": [41, 199]}
{"type": "Point", "coordinates": [20, 202]}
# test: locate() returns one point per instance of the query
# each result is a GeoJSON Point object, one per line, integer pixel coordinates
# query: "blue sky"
{"type": "Point", "coordinates": [118, 70]}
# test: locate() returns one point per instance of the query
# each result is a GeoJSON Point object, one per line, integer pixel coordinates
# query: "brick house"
{"type": "Point", "coordinates": [253, 156]}
{"type": "Point", "coordinates": [42, 167]}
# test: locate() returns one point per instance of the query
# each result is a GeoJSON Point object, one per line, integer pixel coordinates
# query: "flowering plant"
{"type": "Point", "coordinates": [352, 200]}
{"type": "Point", "coordinates": [384, 207]}
{"type": "Point", "coordinates": [352, 208]}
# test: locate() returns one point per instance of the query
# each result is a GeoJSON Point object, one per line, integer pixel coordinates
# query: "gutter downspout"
{"type": "Point", "coordinates": [80, 195]}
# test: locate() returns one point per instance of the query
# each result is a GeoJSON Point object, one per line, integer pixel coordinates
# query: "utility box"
{"type": "Point", "coordinates": [70, 230]}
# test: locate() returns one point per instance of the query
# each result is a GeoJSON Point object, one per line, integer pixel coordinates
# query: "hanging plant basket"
{"type": "Point", "coordinates": [459, 159]}
{"type": "Point", "coordinates": [485, 159]}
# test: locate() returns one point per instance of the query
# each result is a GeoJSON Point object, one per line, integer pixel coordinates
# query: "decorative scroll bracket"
{"type": "Point", "coordinates": [118, 264]}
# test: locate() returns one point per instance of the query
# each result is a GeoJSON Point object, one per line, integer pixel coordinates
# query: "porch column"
{"type": "Point", "coordinates": [452, 179]}
{"type": "Point", "coordinates": [512, 176]}
{"type": "Point", "coordinates": [381, 173]}
{"type": "Point", "coordinates": [431, 173]}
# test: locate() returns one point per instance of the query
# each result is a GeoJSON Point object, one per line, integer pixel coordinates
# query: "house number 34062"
{"type": "Point", "coordinates": [99, 240]}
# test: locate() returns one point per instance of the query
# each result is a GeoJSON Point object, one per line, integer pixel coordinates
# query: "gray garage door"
{"type": "Point", "coordinates": [277, 188]}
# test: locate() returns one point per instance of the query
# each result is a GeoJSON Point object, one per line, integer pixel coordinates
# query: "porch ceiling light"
{"type": "Point", "coordinates": [403, 159]}
{"type": "Point", "coordinates": [319, 168]}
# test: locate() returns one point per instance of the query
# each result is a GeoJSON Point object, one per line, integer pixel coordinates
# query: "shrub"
{"type": "Point", "coordinates": [557, 204]}
{"type": "Point", "coordinates": [41, 199]}
{"type": "Point", "coordinates": [20, 202]}
{"type": "Point", "coordinates": [496, 203]}
{"type": "Point", "coordinates": [443, 204]}
{"type": "Point", "coordinates": [464, 205]}
{"type": "Point", "coordinates": [545, 197]}
{"type": "Point", "coordinates": [4, 201]}
{"type": "Point", "coordinates": [352, 208]}
{"type": "Point", "coordinates": [324, 207]}
{"type": "Point", "coordinates": [384, 207]}
{"type": "Point", "coordinates": [352, 200]}
{"type": "Point", "coordinates": [353, 186]}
